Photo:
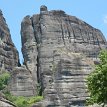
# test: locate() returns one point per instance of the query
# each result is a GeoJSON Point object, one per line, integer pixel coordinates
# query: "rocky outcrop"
{"type": "Point", "coordinates": [60, 50]}
{"type": "Point", "coordinates": [21, 82]}
{"type": "Point", "coordinates": [29, 49]}
{"type": "Point", "coordinates": [8, 53]}
{"type": "Point", "coordinates": [6, 103]}
{"type": "Point", "coordinates": [8, 56]}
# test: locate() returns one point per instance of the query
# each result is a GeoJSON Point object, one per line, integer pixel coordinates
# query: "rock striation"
{"type": "Point", "coordinates": [21, 82]}
{"type": "Point", "coordinates": [8, 53]}
{"type": "Point", "coordinates": [60, 50]}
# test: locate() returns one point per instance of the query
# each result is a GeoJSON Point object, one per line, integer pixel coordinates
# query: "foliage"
{"type": "Point", "coordinates": [39, 89]}
{"type": "Point", "coordinates": [4, 80]}
{"type": "Point", "coordinates": [97, 81]}
{"type": "Point", "coordinates": [34, 99]}
{"type": "Point", "coordinates": [21, 101]}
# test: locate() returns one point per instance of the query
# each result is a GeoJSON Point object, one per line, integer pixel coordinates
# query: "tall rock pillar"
{"type": "Point", "coordinates": [8, 53]}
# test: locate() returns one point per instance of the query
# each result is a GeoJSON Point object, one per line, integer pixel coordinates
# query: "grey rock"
{"type": "Point", "coordinates": [5, 104]}
{"type": "Point", "coordinates": [21, 82]}
{"type": "Point", "coordinates": [29, 47]}
{"type": "Point", "coordinates": [43, 103]}
{"type": "Point", "coordinates": [60, 51]}
{"type": "Point", "coordinates": [8, 53]}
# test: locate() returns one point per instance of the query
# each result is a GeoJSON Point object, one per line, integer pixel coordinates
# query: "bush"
{"type": "Point", "coordinates": [21, 101]}
{"type": "Point", "coordinates": [35, 99]}
{"type": "Point", "coordinates": [4, 80]}
{"type": "Point", "coordinates": [97, 82]}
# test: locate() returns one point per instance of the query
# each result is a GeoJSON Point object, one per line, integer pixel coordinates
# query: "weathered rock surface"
{"type": "Point", "coordinates": [8, 53]}
{"type": "Point", "coordinates": [21, 83]}
{"type": "Point", "coordinates": [6, 103]}
{"type": "Point", "coordinates": [60, 50]}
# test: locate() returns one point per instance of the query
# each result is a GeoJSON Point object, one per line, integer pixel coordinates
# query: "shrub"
{"type": "Point", "coordinates": [21, 101]}
{"type": "Point", "coordinates": [35, 99]}
{"type": "Point", "coordinates": [97, 82]}
{"type": "Point", "coordinates": [4, 80]}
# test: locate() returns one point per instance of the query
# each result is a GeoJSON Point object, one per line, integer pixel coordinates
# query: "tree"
{"type": "Point", "coordinates": [4, 78]}
{"type": "Point", "coordinates": [97, 82]}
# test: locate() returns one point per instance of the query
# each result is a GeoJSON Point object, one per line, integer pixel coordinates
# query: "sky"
{"type": "Point", "coordinates": [94, 12]}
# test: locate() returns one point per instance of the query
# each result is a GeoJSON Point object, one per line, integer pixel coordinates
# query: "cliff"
{"type": "Point", "coordinates": [60, 50]}
{"type": "Point", "coordinates": [20, 83]}
{"type": "Point", "coordinates": [8, 53]}
{"type": "Point", "coordinates": [8, 56]}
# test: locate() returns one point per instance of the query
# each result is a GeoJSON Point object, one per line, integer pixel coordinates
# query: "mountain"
{"type": "Point", "coordinates": [60, 50]}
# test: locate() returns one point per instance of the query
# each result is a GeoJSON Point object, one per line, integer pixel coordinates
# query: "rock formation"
{"type": "Point", "coordinates": [60, 50]}
{"type": "Point", "coordinates": [4, 102]}
{"type": "Point", "coordinates": [21, 83]}
{"type": "Point", "coordinates": [8, 54]}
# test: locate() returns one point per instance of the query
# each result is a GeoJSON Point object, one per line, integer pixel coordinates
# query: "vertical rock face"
{"type": "Point", "coordinates": [29, 48]}
{"type": "Point", "coordinates": [8, 53]}
{"type": "Point", "coordinates": [21, 83]}
{"type": "Point", "coordinates": [60, 51]}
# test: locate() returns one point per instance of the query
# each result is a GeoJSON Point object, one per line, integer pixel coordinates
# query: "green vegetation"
{"type": "Point", "coordinates": [19, 101]}
{"type": "Point", "coordinates": [97, 82]}
{"type": "Point", "coordinates": [4, 80]}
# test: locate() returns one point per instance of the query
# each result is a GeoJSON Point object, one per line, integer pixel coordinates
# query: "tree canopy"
{"type": "Point", "coordinates": [97, 82]}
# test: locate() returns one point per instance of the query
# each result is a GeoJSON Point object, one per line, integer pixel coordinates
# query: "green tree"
{"type": "Point", "coordinates": [97, 82]}
{"type": "Point", "coordinates": [4, 80]}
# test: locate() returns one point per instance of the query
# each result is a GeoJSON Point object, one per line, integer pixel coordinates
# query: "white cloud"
{"type": "Point", "coordinates": [105, 19]}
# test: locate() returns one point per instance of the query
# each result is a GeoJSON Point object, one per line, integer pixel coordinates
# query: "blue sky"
{"type": "Point", "coordinates": [94, 12]}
